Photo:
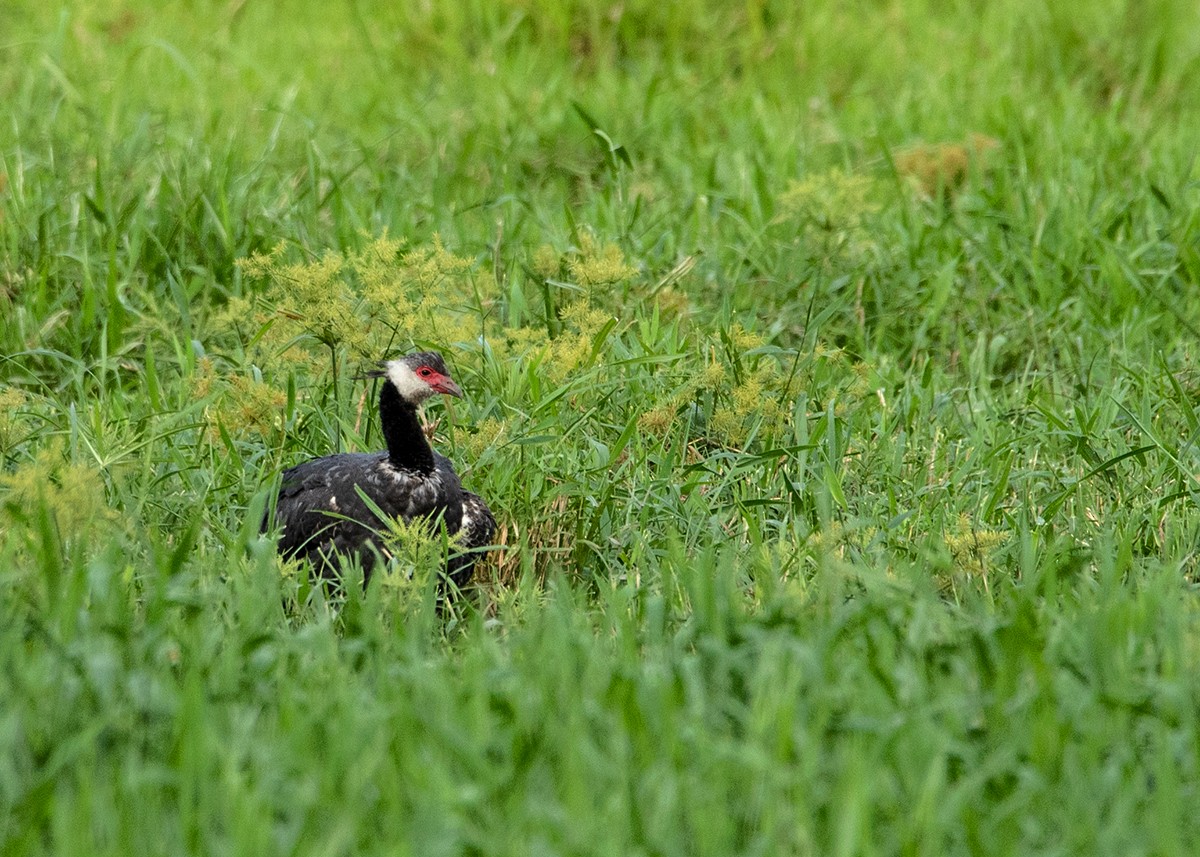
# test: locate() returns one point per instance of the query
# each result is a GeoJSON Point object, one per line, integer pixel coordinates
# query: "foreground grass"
{"type": "Point", "coordinates": [857, 711]}
{"type": "Point", "coordinates": [834, 382]}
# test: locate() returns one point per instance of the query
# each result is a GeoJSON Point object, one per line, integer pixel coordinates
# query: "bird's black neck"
{"type": "Point", "coordinates": [406, 443]}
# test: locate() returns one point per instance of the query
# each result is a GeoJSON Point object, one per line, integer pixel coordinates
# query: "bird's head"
{"type": "Point", "coordinates": [418, 376]}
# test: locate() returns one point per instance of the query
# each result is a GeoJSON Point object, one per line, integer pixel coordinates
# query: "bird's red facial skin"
{"type": "Point", "coordinates": [439, 382]}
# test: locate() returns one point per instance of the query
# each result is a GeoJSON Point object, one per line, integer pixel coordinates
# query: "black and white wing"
{"type": "Point", "coordinates": [474, 519]}
{"type": "Point", "coordinates": [478, 523]}
{"type": "Point", "coordinates": [322, 511]}
{"type": "Point", "coordinates": [477, 529]}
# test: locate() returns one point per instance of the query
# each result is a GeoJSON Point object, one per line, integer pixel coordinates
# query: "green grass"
{"type": "Point", "coordinates": [838, 515]}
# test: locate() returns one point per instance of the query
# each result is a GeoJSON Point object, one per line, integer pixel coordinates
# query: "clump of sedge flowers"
{"type": "Point", "coordinates": [971, 546]}
{"type": "Point", "coordinates": [489, 432]}
{"type": "Point", "coordinates": [333, 308]}
{"type": "Point", "coordinates": [368, 302]}
{"type": "Point", "coordinates": [72, 493]}
{"type": "Point", "coordinates": [240, 405]}
{"type": "Point", "coordinates": [579, 343]}
{"type": "Point", "coordinates": [747, 394]}
{"type": "Point", "coordinates": [831, 213]}
{"type": "Point", "coordinates": [583, 324]}
{"type": "Point", "coordinates": [310, 297]}
{"type": "Point", "coordinates": [413, 548]}
{"type": "Point", "coordinates": [12, 401]}
{"type": "Point", "coordinates": [546, 262]}
{"type": "Point", "coordinates": [598, 264]}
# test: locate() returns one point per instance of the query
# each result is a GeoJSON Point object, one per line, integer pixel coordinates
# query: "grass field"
{"type": "Point", "coordinates": [832, 370]}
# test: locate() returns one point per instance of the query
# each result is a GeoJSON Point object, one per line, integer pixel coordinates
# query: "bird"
{"type": "Point", "coordinates": [331, 507]}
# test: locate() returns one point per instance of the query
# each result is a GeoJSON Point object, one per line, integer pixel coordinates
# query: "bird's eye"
{"type": "Point", "coordinates": [424, 371]}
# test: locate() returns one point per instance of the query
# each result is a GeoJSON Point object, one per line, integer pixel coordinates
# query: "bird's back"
{"type": "Point", "coordinates": [322, 510]}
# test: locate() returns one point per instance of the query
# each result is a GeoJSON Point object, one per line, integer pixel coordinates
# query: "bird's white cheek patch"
{"type": "Point", "coordinates": [407, 384]}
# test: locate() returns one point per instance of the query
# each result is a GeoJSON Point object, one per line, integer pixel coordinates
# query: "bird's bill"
{"type": "Point", "coordinates": [443, 384]}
